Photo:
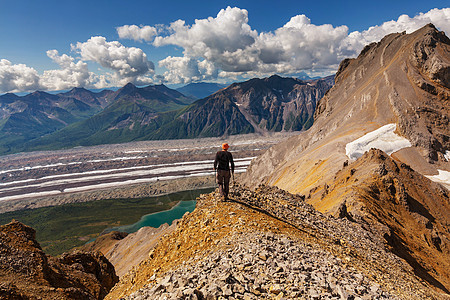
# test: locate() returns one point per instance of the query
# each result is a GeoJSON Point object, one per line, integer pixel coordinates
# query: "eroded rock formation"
{"type": "Point", "coordinates": [26, 272]}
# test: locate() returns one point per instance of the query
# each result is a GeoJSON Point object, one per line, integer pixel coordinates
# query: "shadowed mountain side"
{"type": "Point", "coordinates": [256, 105]}
{"type": "Point", "coordinates": [134, 113]}
{"type": "Point", "coordinates": [40, 113]}
{"type": "Point", "coordinates": [216, 115]}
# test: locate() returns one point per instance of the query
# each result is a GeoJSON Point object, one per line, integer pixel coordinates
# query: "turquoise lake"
{"type": "Point", "coordinates": [159, 218]}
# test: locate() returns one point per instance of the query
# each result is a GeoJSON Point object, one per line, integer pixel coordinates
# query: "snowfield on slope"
{"type": "Point", "coordinates": [383, 138]}
{"type": "Point", "coordinates": [443, 178]}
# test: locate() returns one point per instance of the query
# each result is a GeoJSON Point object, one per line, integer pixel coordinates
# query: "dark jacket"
{"type": "Point", "coordinates": [223, 161]}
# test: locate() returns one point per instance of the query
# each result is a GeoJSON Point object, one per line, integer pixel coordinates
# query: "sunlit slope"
{"type": "Point", "coordinates": [401, 80]}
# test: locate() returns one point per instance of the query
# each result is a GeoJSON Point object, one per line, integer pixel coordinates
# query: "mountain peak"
{"type": "Point", "coordinates": [275, 76]}
{"type": "Point", "coordinates": [126, 89]}
{"type": "Point", "coordinates": [129, 85]}
{"type": "Point", "coordinates": [40, 93]}
{"type": "Point", "coordinates": [78, 89]}
{"type": "Point", "coordinates": [9, 97]}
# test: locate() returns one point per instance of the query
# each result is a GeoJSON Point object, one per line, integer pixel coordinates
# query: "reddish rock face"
{"type": "Point", "coordinates": [26, 272]}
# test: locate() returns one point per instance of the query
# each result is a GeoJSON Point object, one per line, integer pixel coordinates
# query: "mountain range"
{"type": "Point", "coordinates": [39, 113]}
{"type": "Point", "coordinates": [82, 118]}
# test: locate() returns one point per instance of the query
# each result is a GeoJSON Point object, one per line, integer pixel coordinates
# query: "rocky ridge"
{"type": "Point", "coordinates": [26, 272]}
{"type": "Point", "coordinates": [266, 244]}
{"type": "Point", "coordinates": [408, 210]}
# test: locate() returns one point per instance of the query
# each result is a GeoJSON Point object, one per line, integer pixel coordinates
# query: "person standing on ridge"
{"type": "Point", "coordinates": [223, 164]}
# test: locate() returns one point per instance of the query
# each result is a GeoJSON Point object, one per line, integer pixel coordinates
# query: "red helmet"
{"type": "Point", "coordinates": [225, 146]}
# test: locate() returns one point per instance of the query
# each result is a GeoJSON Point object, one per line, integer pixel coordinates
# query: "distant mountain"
{"type": "Point", "coordinates": [88, 97]}
{"type": "Point", "coordinates": [158, 98]}
{"type": "Point", "coordinates": [39, 113]}
{"type": "Point", "coordinates": [199, 90]}
{"type": "Point", "coordinates": [133, 113]}
{"type": "Point", "coordinates": [257, 105]}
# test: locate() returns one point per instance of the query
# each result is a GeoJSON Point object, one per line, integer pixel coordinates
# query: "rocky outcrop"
{"type": "Point", "coordinates": [408, 210]}
{"type": "Point", "coordinates": [26, 272]}
{"type": "Point", "coordinates": [268, 244]}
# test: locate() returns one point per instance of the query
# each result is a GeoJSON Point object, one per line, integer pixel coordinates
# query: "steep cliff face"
{"type": "Point", "coordinates": [26, 272]}
{"type": "Point", "coordinates": [401, 80]}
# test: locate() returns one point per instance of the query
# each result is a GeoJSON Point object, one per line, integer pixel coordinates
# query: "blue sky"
{"type": "Point", "coordinates": [52, 45]}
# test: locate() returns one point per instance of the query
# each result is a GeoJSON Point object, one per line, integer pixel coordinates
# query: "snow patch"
{"type": "Point", "coordinates": [443, 178]}
{"type": "Point", "coordinates": [447, 155]}
{"type": "Point", "coordinates": [383, 138]}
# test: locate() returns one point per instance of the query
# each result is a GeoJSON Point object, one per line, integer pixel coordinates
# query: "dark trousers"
{"type": "Point", "coordinates": [223, 179]}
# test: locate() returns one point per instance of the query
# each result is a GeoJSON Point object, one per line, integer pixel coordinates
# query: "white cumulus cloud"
{"type": "Point", "coordinates": [127, 63]}
{"type": "Point", "coordinates": [224, 46]}
{"type": "Point", "coordinates": [137, 33]}
{"type": "Point", "coordinates": [221, 40]}
{"type": "Point", "coordinates": [439, 17]}
{"type": "Point", "coordinates": [122, 64]}
{"type": "Point", "coordinates": [187, 69]}
{"type": "Point", "coordinates": [300, 45]}
{"type": "Point", "coordinates": [72, 74]}
{"type": "Point", "coordinates": [228, 43]}
{"type": "Point", "coordinates": [17, 77]}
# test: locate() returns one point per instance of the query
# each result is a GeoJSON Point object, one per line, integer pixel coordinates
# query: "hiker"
{"type": "Point", "coordinates": [222, 164]}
